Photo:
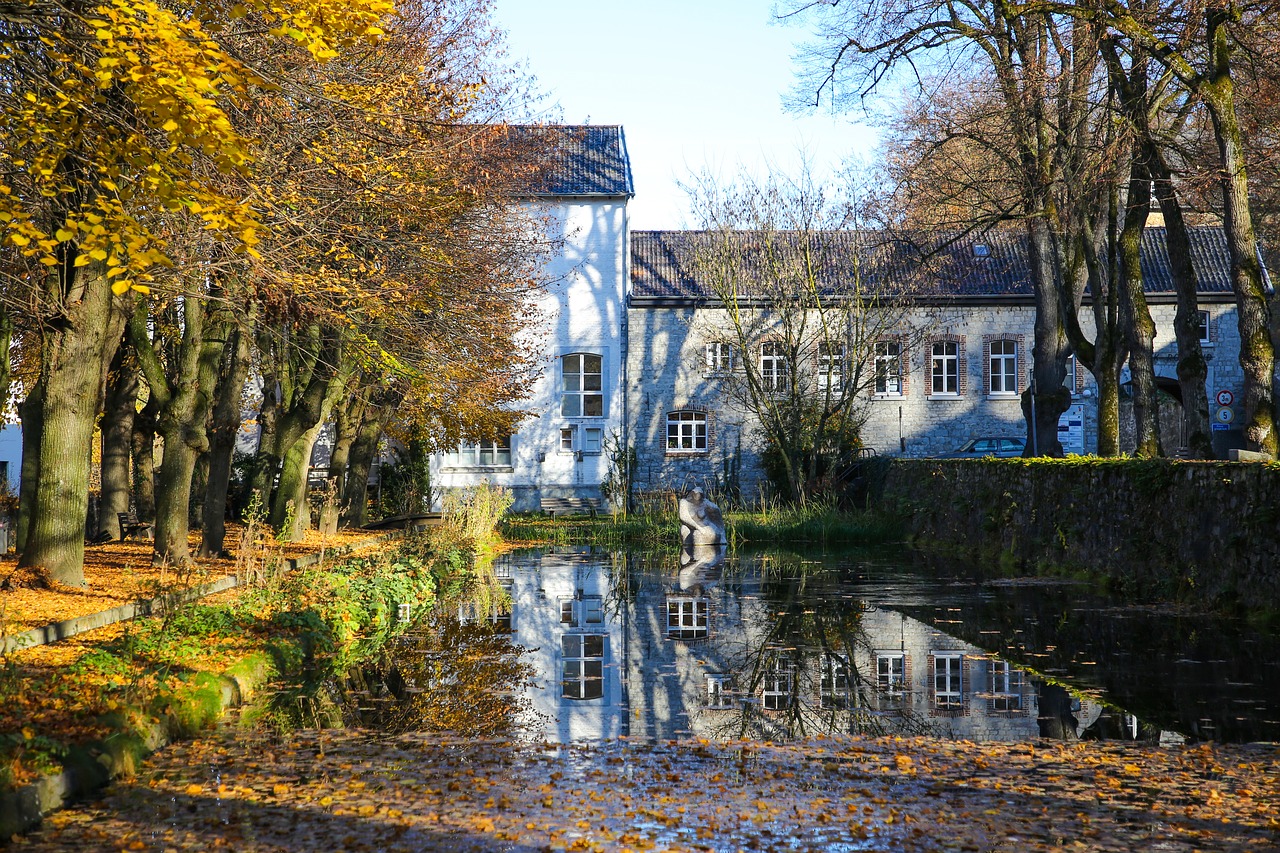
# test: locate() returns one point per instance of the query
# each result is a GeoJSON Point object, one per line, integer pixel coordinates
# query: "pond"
{"type": "Point", "coordinates": [777, 646]}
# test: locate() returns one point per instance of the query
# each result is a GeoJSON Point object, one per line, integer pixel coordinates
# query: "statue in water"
{"type": "Point", "coordinates": [700, 520]}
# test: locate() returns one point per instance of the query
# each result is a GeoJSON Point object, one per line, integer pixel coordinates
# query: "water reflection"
{"type": "Point", "coordinates": [774, 647]}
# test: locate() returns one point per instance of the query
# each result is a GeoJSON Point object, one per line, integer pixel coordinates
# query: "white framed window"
{"type": "Point", "coordinates": [833, 690]}
{"type": "Point", "coordinates": [1006, 688]}
{"type": "Point", "coordinates": [688, 617]}
{"type": "Point", "coordinates": [582, 384]}
{"type": "Point", "coordinates": [773, 366]}
{"type": "Point", "coordinates": [891, 679]}
{"type": "Point", "coordinates": [592, 438]}
{"type": "Point", "coordinates": [944, 365]}
{"type": "Point", "coordinates": [582, 666]}
{"type": "Point", "coordinates": [775, 692]}
{"type": "Point", "coordinates": [1202, 323]}
{"type": "Point", "coordinates": [719, 357]}
{"type": "Point", "coordinates": [889, 368]}
{"type": "Point", "coordinates": [1004, 367]}
{"type": "Point", "coordinates": [582, 612]}
{"type": "Point", "coordinates": [584, 439]}
{"type": "Point", "coordinates": [719, 695]}
{"type": "Point", "coordinates": [948, 680]}
{"type": "Point", "coordinates": [830, 366]}
{"type": "Point", "coordinates": [566, 439]}
{"type": "Point", "coordinates": [494, 453]}
{"type": "Point", "coordinates": [687, 431]}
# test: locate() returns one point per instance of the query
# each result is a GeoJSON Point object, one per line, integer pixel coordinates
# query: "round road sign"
{"type": "Point", "coordinates": [1225, 397]}
{"type": "Point", "coordinates": [1224, 415]}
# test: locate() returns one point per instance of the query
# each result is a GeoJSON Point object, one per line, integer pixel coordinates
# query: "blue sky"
{"type": "Point", "coordinates": [694, 83]}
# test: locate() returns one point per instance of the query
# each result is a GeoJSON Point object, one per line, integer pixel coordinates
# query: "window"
{"type": "Point", "coordinates": [834, 689]}
{"type": "Point", "coordinates": [582, 612]}
{"type": "Point", "coordinates": [776, 693]}
{"type": "Point", "coordinates": [588, 440]}
{"type": "Point", "coordinates": [945, 367]}
{"type": "Point", "coordinates": [484, 454]}
{"type": "Point", "coordinates": [591, 439]}
{"type": "Point", "coordinates": [566, 439]}
{"type": "Point", "coordinates": [1202, 323]}
{"type": "Point", "coordinates": [889, 367]}
{"type": "Point", "coordinates": [582, 667]}
{"type": "Point", "coordinates": [891, 680]}
{"type": "Point", "coordinates": [718, 694]}
{"type": "Point", "coordinates": [582, 378]}
{"type": "Point", "coordinates": [1006, 688]}
{"type": "Point", "coordinates": [830, 367]}
{"type": "Point", "coordinates": [687, 432]}
{"type": "Point", "coordinates": [773, 366]}
{"type": "Point", "coordinates": [687, 617]}
{"type": "Point", "coordinates": [1004, 367]}
{"type": "Point", "coordinates": [719, 357]}
{"type": "Point", "coordinates": [948, 684]}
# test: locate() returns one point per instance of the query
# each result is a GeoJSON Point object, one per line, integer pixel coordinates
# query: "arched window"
{"type": "Point", "coordinates": [687, 432]}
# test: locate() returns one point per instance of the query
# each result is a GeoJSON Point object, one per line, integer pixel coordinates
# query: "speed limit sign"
{"type": "Point", "coordinates": [1224, 415]}
{"type": "Point", "coordinates": [1225, 397]}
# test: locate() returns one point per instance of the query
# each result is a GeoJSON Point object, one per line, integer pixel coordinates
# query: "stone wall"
{"type": "Point", "coordinates": [1204, 531]}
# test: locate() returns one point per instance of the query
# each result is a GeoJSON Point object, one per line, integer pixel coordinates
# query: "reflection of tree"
{"type": "Point", "coordinates": [796, 673]}
{"type": "Point", "coordinates": [450, 675]}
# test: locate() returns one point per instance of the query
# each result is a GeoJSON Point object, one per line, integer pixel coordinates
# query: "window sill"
{"type": "Point", "coordinates": [1005, 397]}
{"type": "Point", "coordinates": [686, 452]}
{"type": "Point", "coordinates": [944, 397]}
{"type": "Point", "coordinates": [888, 396]}
{"type": "Point", "coordinates": [467, 469]}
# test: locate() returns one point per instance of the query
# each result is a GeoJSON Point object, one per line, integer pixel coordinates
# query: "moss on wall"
{"type": "Point", "coordinates": [1204, 531]}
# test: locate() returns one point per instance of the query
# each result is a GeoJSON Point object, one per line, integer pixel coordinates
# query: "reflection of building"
{"type": "Point", "coordinates": [563, 610]}
{"type": "Point", "coordinates": [721, 659]}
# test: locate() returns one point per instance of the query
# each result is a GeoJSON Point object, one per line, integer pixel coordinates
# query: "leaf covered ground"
{"type": "Point", "coordinates": [357, 790]}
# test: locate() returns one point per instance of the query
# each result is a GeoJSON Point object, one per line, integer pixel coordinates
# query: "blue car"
{"type": "Point", "coordinates": [977, 448]}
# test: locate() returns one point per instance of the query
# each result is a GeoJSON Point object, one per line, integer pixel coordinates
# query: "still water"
{"type": "Point", "coordinates": [781, 646]}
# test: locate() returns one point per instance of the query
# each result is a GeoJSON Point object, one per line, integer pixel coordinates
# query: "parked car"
{"type": "Point", "coordinates": [976, 448]}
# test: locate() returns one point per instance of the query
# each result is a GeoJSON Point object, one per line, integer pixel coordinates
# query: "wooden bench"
{"type": "Point", "coordinates": [130, 526]}
{"type": "Point", "coordinates": [570, 506]}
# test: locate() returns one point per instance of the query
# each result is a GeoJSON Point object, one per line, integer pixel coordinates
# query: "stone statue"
{"type": "Point", "coordinates": [700, 520]}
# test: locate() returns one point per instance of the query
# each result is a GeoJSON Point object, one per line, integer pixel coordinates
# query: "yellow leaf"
{"type": "Point", "coordinates": [98, 254]}
{"type": "Point", "coordinates": [170, 126]}
{"type": "Point", "coordinates": [120, 287]}
{"type": "Point", "coordinates": [193, 790]}
{"type": "Point", "coordinates": [64, 235]}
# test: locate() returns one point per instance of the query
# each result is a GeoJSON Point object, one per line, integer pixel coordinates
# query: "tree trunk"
{"type": "Point", "coordinates": [355, 501]}
{"type": "Point", "coordinates": [119, 409]}
{"type": "Point", "coordinates": [1257, 350]}
{"type": "Point", "coordinates": [224, 428]}
{"type": "Point", "coordinates": [144, 461]}
{"type": "Point", "coordinates": [1139, 328]}
{"type": "Point", "coordinates": [1047, 395]}
{"type": "Point", "coordinates": [32, 414]}
{"type": "Point", "coordinates": [74, 359]}
{"type": "Point", "coordinates": [1192, 371]}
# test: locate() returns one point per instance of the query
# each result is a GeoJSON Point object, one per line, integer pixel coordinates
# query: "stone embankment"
{"type": "Point", "coordinates": [1191, 531]}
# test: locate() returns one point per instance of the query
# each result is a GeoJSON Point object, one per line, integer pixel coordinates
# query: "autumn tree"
{"type": "Point", "coordinates": [114, 119]}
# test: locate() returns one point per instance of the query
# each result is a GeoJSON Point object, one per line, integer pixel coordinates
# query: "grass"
{"type": "Point", "coordinates": [817, 524]}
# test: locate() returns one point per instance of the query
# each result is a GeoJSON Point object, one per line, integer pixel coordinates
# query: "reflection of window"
{"type": "Point", "coordinates": [484, 454]}
{"type": "Point", "coordinates": [582, 378]}
{"type": "Point", "coordinates": [830, 367]}
{"type": "Point", "coordinates": [834, 689]}
{"type": "Point", "coordinates": [948, 687]}
{"type": "Point", "coordinates": [582, 670]}
{"type": "Point", "coordinates": [773, 366]}
{"type": "Point", "coordinates": [687, 431]}
{"type": "Point", "coordinates": [945, 366]}
{"type": "Point", "coordinates": [1004, 367]}
{"type": "Point", "coordinates": [891, 678]}
{"type": "Point", "coordinates": [1006, 687]}
{"type": "Point", "coordinates": [776, 692]}
{"type": "Point", "coordinates": [687, 617]}
{"type": "Point", "coordinates": [888, 367]}
{"type": "Point", "coordinates": [582, 612]}
{"type": "Point", "coordinates": [718, 695]}
{"type": "Point", "coordinates": [719, 356]}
